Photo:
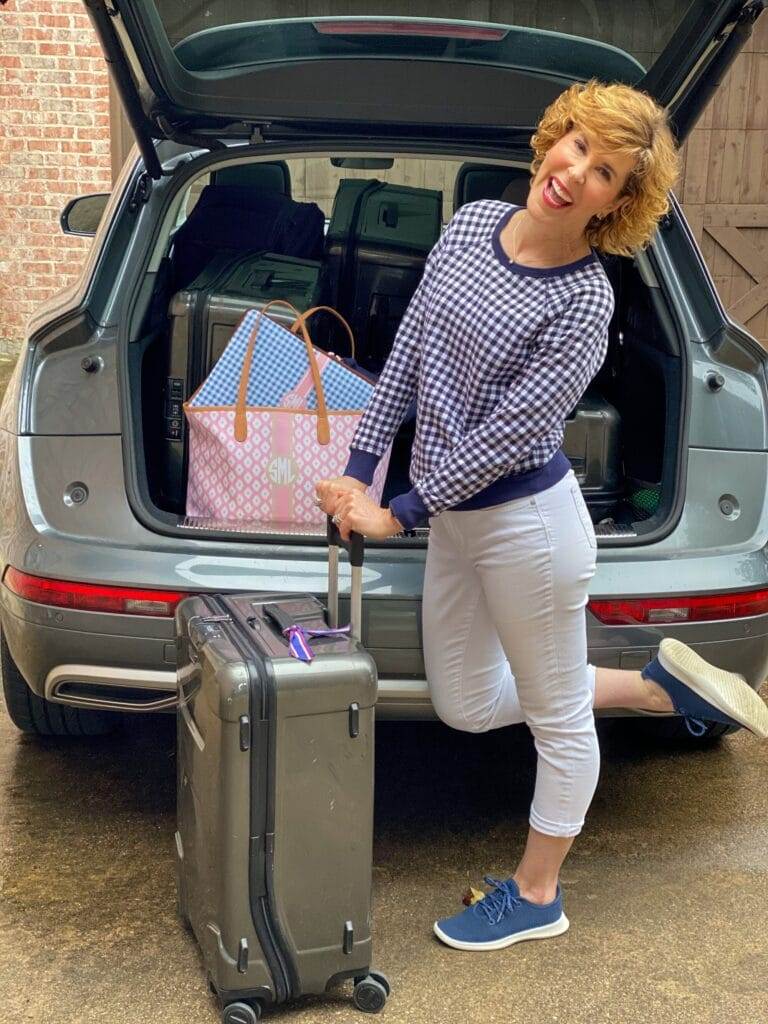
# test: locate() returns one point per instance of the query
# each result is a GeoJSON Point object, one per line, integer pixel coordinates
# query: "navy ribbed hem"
{"type": "Point", "coordinates": [362, 465]}
{"type": "Point", "coordinates": [409, 509]}
{"type": "Point", "coordinates": [518, 485]}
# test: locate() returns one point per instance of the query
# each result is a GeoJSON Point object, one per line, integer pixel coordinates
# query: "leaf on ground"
{"type": "Point", "coordinates": [472, 896]}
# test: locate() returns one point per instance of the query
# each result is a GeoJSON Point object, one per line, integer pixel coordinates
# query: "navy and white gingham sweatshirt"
{"type": "Point", "coordinates": [497, 355]}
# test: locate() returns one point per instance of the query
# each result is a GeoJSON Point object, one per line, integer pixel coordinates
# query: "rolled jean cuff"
{"type": "Point", "coordinates": [551, 828]}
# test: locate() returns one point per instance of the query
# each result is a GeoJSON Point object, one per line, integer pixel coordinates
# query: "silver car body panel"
{"type": "Point", "coordinates": [66, 401]}
{"type": "Point", "coordinates": [100, 540]}
{"type": "Point", "coordinates": [49, 644]}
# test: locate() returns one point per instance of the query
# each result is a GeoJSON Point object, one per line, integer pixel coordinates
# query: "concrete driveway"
{"type": "Point", "coordinates": [667, 889]}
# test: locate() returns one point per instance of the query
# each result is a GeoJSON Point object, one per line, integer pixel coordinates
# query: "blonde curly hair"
{"type": "Point", "coordinates": [626, 121]}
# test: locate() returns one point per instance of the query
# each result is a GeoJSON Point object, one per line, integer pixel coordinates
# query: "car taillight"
{"type": "Point", "coordinates": [90, 597]}
{"type": "Point", "coordinates": [381, 27]}
{"type": "Point", "coordinates": [669, 610]}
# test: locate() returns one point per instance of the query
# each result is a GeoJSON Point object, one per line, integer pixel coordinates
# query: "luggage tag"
{"type": "Point", "coordinates": [298, 639]}
{"type": "Point", "coordinates": [296, 634]}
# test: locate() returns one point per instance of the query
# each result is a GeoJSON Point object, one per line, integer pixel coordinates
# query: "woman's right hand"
{"type": "Point", "coordinates": [329, 491]}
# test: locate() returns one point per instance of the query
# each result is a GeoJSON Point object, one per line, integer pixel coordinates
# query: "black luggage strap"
{"type": "Point", "coordinates": [283, 620]}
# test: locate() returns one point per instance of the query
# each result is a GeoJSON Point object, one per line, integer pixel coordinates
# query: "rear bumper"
{"type": "Point", "coordinates": [91, 659]}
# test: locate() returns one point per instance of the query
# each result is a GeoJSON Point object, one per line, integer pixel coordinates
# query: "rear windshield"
{"type": "Point", "coordinates": [218, 34]}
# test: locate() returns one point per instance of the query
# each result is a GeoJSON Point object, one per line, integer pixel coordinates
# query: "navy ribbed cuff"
{"type": "Point", "coordinates": [409, 509]}
{"type": "Point", "coordinates": [362, 465]}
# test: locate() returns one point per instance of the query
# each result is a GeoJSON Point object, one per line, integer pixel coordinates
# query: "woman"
{"type": "Point", "coordinates": [506, 330]}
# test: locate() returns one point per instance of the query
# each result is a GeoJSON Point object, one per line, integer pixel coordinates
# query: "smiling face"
{"type": "Point", "coordinates": [577, 181]}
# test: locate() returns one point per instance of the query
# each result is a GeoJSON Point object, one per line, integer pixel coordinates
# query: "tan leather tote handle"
{"type": "Point", "coordinates": [241, 421]}
{"type": "Point", "coordinates": [327, 309]}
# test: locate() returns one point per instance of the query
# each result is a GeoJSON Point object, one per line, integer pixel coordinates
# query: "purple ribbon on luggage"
{"type": "Point", "coordinates": [298, 639]}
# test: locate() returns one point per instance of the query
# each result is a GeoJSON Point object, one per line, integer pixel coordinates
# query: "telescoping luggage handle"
{"type": "Point", "coordinates": [356, 548]}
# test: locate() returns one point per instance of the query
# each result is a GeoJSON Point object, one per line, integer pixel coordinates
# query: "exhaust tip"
{"type": "Point", "coordinates": [106, 688]}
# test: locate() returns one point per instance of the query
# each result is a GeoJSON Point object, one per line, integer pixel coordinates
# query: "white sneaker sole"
{"type": "Point", "coordinates": [727, 691]}
{"type": "Point", "coordinates": [544, 931]}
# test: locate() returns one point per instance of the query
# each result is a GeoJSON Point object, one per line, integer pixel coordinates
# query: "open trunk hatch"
{"type": "Point", "coordinates": [219, 69]}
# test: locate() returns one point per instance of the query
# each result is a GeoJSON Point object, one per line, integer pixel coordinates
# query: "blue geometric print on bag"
{"type": "Point", "coordinates": [343, 389]}
{"type": "Point", "coordinates": [279, 364]}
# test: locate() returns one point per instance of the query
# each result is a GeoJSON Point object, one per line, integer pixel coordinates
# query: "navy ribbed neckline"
{"type": "Point", "coordinates": [520, 268]}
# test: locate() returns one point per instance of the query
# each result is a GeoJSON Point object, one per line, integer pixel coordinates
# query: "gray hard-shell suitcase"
{"type": "Point", "coordinates": [275, 797]}
{"type": "Point", "coordinates": [592, 443]}
{"type": "Point", "coordinates": [203, 318]}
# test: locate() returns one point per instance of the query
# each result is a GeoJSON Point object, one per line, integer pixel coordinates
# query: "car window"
{"type": "Point", "coordinates": [464, 30]}
{"type": "Point", "coordinates": [316, 180]}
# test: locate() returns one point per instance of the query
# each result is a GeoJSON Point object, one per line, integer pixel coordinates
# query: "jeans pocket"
{"type": "Point", "coordinates": [584, 517]}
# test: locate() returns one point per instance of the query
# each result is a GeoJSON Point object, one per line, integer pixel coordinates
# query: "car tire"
{"type": "Point", "coordinates": [40, 717]}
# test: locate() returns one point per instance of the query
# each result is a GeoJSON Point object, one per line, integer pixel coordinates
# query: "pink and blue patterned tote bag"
{"type": "Point", "coordinates": [274, 416]}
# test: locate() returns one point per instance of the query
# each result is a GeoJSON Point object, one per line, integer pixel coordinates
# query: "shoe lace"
{"type": "Point", "coordinates": [695, 726]}
{"type": "Point", "coordinates": [502, 900]}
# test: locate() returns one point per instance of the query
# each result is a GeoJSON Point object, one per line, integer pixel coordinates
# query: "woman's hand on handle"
{"type": "Point", "coordinates": [329, 491]}
{"type": "Point", "coordinates": [359, 513]}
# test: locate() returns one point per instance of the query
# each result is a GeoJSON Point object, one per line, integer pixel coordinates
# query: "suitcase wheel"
{"type": "Point", "coordinates": [241, 1013]}
{"type": "Point", "coordinates": [382, 980]}
{"type": "Point", "coordinates": [370, 993]}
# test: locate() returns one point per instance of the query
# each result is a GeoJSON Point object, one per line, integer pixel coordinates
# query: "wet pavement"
{"type": "Point", "coordinates": [666, 889]}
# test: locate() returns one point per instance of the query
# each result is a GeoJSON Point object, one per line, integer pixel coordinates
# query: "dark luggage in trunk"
{"type": "Point", "coordinates": [592, 443]}
{"type": "Point", "coordinates": [202, 320]}
{"type": "Point", "coordinates": [378, 240]}
{"type": "Point", "coordinates": [232, 219]}
{"type": "Point", "coordinates": [275, 800]}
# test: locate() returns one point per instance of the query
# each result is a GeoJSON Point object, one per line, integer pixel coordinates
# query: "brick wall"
{"type": "Point", "coordinates": [54, 145]}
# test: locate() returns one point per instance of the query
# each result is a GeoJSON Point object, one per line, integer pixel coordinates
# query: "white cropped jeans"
{"type": "Point", "coordinates": [505, 637]}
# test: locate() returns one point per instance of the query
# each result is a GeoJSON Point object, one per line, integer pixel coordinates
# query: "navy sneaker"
{"type": "Point", "coordinates": [501, 918]}
{"type": "Point", "coordinates": [702, 693]}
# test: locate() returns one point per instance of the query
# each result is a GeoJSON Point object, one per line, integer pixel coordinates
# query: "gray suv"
{"type": "Point", "coordinates": [670, 445]}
